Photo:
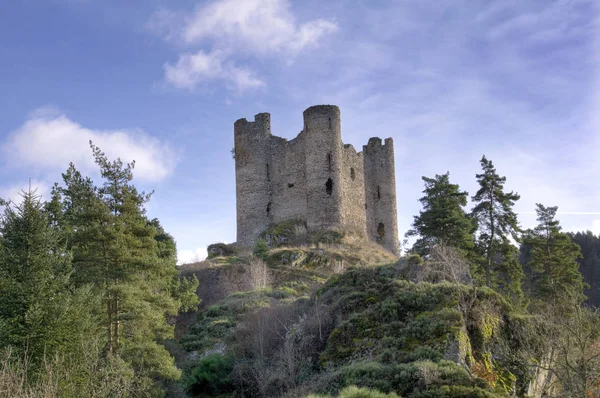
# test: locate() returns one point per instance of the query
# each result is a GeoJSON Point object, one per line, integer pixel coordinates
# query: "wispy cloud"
{"type": "Point", "coordinates": [194, 68]}
{"type": "Point", "coordinates": [253, 28]}
{"type": "Point", "coordinates": [517, 81]}
{"type": "Point", "coordinates": [49, 140]}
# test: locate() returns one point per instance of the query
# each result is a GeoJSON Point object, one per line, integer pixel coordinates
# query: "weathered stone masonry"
{"type": "Point", "coordinates": [314, 178]}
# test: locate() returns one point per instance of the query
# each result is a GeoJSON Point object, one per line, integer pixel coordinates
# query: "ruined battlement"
{"type": "Point", "coordinates": [314, 178]}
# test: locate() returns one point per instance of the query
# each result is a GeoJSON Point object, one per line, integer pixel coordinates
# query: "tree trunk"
{"type": "Point", "coordinates": [116, 322]}
{"type": "Point", "coordinates": [109, 344]}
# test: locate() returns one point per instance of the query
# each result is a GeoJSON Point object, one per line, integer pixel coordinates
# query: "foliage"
{"type": "Point", "coordinates": [221, 249]}
{"type": "Point", "coordinates": [41, 313]}
{"type": "Point", "coordinates": [356, 392]}
{"type": "Point", "coordinates": [285, 233]}
{"type": "Point", "coordinates": [261, 250]}
{"type": "Point", "coordinates": [365, 328]}
{"type": "Point", "coordinates": [496, 224]}
{"type": "Point", "coordinates": [211, 376]}
{"type": "Point", "coordinates": [66, 375]}
{"type": "Point", "coordinates": [443, 219]}
{"type": "Point", "coordinates": [589, 263]}
{"type": "Point", "coordinates": [553, 258]}
{"type": "Point", "coordinates": [130, 263]}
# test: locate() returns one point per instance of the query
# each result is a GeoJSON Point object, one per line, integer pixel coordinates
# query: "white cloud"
{"type": "Point", "coordinates": [192, 69]}
{"type": "Point", "coordinates": [13, 192]}
{"type": "Point", "coordinates": [189, 256]}
{"type": "Point", "coordinates": [259, 26]}
{"type": "Point", "coordinates": [48, 141]}
{"type": "Point", "coordinates": [256, 28]}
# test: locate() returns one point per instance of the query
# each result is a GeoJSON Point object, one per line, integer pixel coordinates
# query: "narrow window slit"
{"type": "Point", "coordinates": [329, 186]}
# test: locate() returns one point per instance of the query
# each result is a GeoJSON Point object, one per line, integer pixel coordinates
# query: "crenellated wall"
{"type": "Point", "coordinates": [314, 178]}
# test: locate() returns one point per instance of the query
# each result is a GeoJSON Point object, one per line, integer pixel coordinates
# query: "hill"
{"type": "Point", "coordinates": [321, 328]}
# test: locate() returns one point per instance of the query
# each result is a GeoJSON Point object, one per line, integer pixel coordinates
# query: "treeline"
{"type": "Point", "coordinates": [589, 263]}
{"type": "Point", "coordinates": [88, 290]}
{"type": "Point", "coordinates": [538, 264]}
{"type": "Point", "coordinates": [545, 274]}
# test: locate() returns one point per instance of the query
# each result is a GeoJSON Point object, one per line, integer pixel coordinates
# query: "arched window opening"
{"type": "Point", "coordinates": [378, 192]}
{"type": "Point", "coordinates": [329, 161]}
{"type": "Point", "coordinates": [329, 186]}
{"type": "Point", "coordinates": [381, 231]}
{"type": "Point", "coordinates": [269, 209]}
{"type": "Point", "coordinates": [352, 173]}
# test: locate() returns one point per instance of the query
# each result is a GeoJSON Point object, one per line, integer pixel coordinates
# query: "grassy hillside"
{"type": "Point", "coordinates": [322, 329]}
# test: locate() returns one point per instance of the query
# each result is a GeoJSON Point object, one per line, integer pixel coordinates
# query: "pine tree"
{"type": "Point", "coordinates": [40, 312]}
{"type": "Point", "coordinates": [553, 258]}
{"type": "Point", "coordinates": [497, 223]}
{"type": "Point", "coordinates": [443, 220]}
{"type": "Point", "coordinates": [589, 264]}
{"type": "Point", "coordinates": [130, 261]}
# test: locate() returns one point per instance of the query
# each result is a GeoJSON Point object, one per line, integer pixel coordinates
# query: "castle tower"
{"type": "Point", "coordinates": [323, 163]}
{"type": "Point", "coordinates": [314, 179]}
{"type": "Point", "coordinates": [253, 177]}
{"type": "Point", "coordinates": [380, 193]}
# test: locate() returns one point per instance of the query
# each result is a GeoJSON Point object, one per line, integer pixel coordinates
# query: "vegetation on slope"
{"type": "Point", "coordinates": [89, 292]}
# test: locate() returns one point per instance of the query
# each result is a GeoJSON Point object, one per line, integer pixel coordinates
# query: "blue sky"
{"type": "Point", "coordinates": [162, 82]}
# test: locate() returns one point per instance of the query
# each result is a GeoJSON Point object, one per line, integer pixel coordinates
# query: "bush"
{"type": "Point", "coordinates": [285, 233]}
{"type": "Point", "coordinates": [355, 392]}
{"type": "Point", "coordinates": [261, 250]}
{"type": "Point", "coordinates": [221, 250]}
{"type": "Point", "coordinates": [211, 376]}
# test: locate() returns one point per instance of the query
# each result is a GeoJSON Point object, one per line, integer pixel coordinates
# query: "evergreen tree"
{"type": "Point", "coordinates": [589, 263]}
{"type": "Point", "coordinates": [497, 223]}
{"type": "Point", "coordinates": [130, 261]}
{"type": "Point", "coordinates": [553, 258]}
{"type": "Point", "coordinates": [443, 220]}
{"type": "Point", "coordinates": [40, 312]}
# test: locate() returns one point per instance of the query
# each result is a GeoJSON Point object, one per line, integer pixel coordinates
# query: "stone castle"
{"type": "Point", "coordinates": [314, 178]}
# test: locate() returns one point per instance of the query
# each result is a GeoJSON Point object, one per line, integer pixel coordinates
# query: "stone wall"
{"type": "Point", "coordinates": [314, 178]}
{"type": "Point", "coordinates": [380, 193]}
{"type": "Point", "coordinates": [352, 178]}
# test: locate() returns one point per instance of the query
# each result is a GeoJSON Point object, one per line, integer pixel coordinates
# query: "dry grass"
{"type": "Point", "coordinates": [63, 376]}
{"type": "Point", "coordinates": [334, 258]}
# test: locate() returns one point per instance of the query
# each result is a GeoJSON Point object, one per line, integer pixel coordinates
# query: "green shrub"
{"type": "Point", "coordinates": [221, 250]}
{"type": "Point", "coordinates": [356, 392]}
{"type": "Point", "coordinates": [261, 250]}
{"type": "Point", "coordinates": [285, 233]}
{"type": "Point", "coordinates": [211, 376]}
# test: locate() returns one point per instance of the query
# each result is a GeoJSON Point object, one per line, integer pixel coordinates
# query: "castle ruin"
{"type": "Point", "coordinates": [314, 178]}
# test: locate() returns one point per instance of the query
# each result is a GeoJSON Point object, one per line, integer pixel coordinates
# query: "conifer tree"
{"type": "Point", "coordinates": [496, 224]}
{"type": "Point", "coordinates": [553, 258]}
{"type": "Point", "coordinates": [589, 264]}
{"type": "Point", "coordinates": [130, 261]}
{"type": "Point", "coordinates": [443, 220]}
{"type": "Point", "coordinates": [40, 312]}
